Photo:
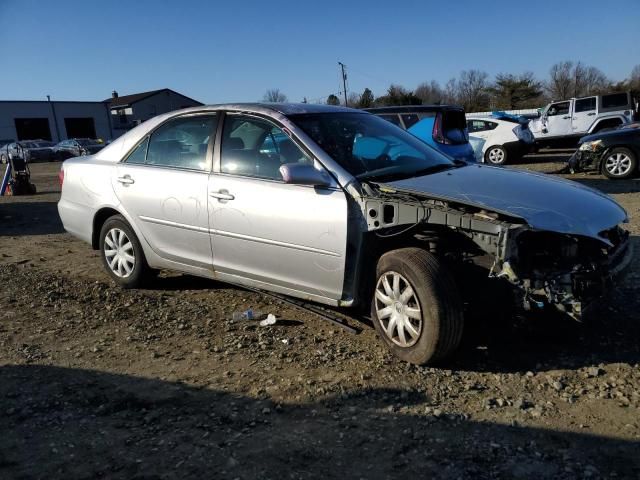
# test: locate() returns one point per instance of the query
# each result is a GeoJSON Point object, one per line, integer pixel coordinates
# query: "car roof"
{"type": "Point", "coordinates": [283, 108]}
{"type": "Point", "coordinates": [413, 108]}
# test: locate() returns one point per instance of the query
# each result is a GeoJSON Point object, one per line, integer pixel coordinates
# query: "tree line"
{"type": "Point", "coordinates": [477, 93]}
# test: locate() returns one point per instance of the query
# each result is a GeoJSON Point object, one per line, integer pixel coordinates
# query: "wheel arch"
{"type": "Point", "coordinates": [101, 216]}
{"type": "Point", "coordinates": [606, 122]}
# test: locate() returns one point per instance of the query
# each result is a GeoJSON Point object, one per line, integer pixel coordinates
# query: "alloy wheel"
{"type": "Point", "coordinates": [618, 164]}
{"type": "Point", "coordinates": [119, 253]}
{"type": "Point", "coordinates": [496, 155]}
{"type": "Point", "coordinates": [398, 309]}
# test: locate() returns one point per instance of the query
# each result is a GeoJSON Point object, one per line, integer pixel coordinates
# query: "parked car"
{"type": "Point", "coordinates": [563, 123]}
{"type": "Point", "coordinates": [28, 150]}
{"type": "Point", "coordinates": [76, 147]}
{"type": "Point", "coordinates": [443, 127]}
{"type": "Point", "coordinates": [506, 138]}
{"type": "Point", "coordinates": [614, 153]}
{"type": "Point", "coordinates": [349, 211]}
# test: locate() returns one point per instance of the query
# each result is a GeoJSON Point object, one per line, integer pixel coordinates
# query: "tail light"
{"type": "Point", "coordinates": [437, 133]}
{"type": "Point", "coordinates": [61, 176]}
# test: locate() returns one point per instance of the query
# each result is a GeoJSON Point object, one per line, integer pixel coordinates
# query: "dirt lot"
{"type": "Point", "coordinates": [158, 383]}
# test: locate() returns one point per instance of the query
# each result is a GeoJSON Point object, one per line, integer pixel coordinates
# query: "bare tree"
{"type": "Point", "coordinates": [589, 80]}
{"type": "Point", "coordinates": [429, 93]}
{"type": "Point", "coordinates": [274, 95]}
{"type": "Point", "coordinates": [451, 95]}
{"type": "Point", "coordinates": [561, 80]}
{"type": "Point", "coordinates": [354, 99]}
{"type": "Point", "coordinates": [472, 89]}
{"type": "Point", "coordinates": [569, 79]}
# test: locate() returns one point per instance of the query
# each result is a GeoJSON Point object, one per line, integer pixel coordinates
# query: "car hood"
{"type": "Point", "coordinates": [544, 202]}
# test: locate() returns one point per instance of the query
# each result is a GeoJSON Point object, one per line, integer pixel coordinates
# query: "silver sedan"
{"type": "Point", "coordinates": [340, 207]}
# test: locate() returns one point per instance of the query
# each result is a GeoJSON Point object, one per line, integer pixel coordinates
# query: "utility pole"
{"type": "Point", "coordinates": [344, 83]}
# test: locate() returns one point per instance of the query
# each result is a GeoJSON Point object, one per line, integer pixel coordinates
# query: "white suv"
{"type": "Point", "coordinates": [566, 121]}
{"type": "Point", "coordinates": [499, 140]}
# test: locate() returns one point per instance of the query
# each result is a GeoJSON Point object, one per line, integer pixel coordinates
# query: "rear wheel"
{"type": "Point", "coordinates": [3, 158]}
{"type": "Point", "coordinates": [416, 308]}
{"type": "Point", "coordinates": [619, 163]}
{"type": "Point", "coordinates": [496, 155]}
{"type": "Point", "coordinates": [122, 254]}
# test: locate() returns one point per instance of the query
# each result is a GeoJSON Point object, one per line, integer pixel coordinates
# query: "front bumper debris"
{"type": "Point", "coordinates": [584, 160]}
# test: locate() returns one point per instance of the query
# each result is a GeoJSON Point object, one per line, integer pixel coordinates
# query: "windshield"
{"type": "Point", "coordinates": [369, 147]}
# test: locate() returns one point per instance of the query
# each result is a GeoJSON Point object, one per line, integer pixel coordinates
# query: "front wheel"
{"type": "Point", "coordinates": [619, 163]}
{"type": "Point", "coordinates": [122, 254]}
{"type": "Point", "coordinates": [416, 307]}
{"type": "Point", "coordinates": [496, 155]}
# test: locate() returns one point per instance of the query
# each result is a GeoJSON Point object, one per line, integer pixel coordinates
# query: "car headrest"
{"type": "Point", "coordinates": [234, 143]}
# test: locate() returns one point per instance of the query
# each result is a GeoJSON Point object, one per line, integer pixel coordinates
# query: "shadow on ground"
{"type": "Point", "coordinates": [631, 185]}
{"type": "Point", "coordinates": [69, 423]}
{"type": "Point", "coordinates": [29, 218]}
{"type": "Point", "coordinates": [609, 332]}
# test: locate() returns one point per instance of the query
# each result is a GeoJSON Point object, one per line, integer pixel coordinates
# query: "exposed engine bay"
{"type": "Point", "coordinates": [545, 268]}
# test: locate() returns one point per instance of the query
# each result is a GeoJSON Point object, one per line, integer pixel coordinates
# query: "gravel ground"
{"type": "Point", "coordinates": [98, 382]}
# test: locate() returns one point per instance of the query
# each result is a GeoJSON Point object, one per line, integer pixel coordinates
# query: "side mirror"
{"type": "Point", "coordinates": [304, 174]}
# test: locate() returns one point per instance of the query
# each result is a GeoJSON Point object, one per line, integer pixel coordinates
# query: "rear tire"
{"type": "Point", "coordinates": [122, 254]}
{"type": "Point", "coordinates": [416, 307]}
{"type": "Point", "coordinates": [496, 155]}
{"type": "Point", "coordinates": [619, 163]}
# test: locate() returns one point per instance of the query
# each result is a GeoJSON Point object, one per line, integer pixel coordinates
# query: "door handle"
{"type": "Point", "coordinates": [591, 114]}
{"type": "Point", "coordinates": [222, 195]}
{"type": "Point", "coordinates": [566, 116]}
{"type": "Point", "coordinates": [126, 180]}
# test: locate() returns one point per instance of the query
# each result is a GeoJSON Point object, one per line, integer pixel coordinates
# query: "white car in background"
{"type": "Point", "coordinates": [500, 140]}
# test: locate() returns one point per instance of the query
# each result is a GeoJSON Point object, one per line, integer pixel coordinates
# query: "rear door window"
{"type": "Point", "coordinates": [182, 142]}
{"type": "Point", "coordinates": [585, 104]}
{"type": "Point", "coordinates": [476, 126]}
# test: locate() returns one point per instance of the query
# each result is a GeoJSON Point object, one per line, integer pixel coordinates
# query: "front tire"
{"type": "Point", "coordinates": [416, 307]}
{"type": "Point", "coordinates": [496, 155]}
{"type": "Point", "coordinates": [122, 254]}
{"type": "Point", "coordinates": [619, 163]}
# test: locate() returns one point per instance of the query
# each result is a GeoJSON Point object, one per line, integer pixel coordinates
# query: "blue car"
{"type": "Point", "coordinates": [444, 127]}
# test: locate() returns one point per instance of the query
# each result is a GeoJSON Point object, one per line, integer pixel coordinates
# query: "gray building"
{"type": "Point", "coordinates": [56, 121]}
{"type": "Point", "coordinates": [127, 111]}
{"type": "Point", "coordinates": [59, 120]}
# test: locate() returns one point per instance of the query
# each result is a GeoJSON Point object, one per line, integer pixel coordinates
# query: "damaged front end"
{"type": "Point", "coordinates": [568, 272]}
{"type": "Point", "coordinates": [545, 268]}
{"type": "Point", "coordinates": [588, 157]}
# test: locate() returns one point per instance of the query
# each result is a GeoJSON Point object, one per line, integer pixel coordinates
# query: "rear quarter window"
{"type": "Point", "coordinates": [615, 100]}
{"type": "Point", "coordinates": [392, 118]}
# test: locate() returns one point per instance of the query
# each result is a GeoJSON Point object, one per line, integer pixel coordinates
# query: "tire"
{"type": "Point", "coordinates": [130, 269]}
{"type": "Point", "coordinates": [435, 303]}
{"type": "Point", "coordinates": [496, 155]}
{"type": "Point", "coordinates": [3, 159]}
{"type": "Point", "coordinates": [619, 163]}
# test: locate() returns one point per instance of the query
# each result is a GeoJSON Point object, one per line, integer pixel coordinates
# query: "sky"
{"type": "Point", "coordinates": [232, 51]}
